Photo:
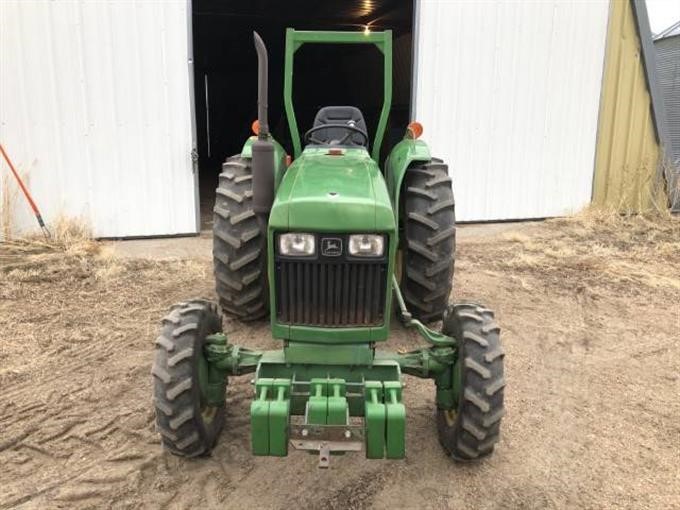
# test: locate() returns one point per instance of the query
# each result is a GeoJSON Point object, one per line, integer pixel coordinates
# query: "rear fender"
{"type": "Point", "coordinates": [401, 157]}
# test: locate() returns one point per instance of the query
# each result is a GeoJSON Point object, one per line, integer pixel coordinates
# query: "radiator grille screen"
{"type": "Point", "coordinates": [335, 294]}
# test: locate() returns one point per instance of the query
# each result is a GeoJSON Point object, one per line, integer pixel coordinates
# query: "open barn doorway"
{"type": "Point", "coordinates": [225, 67]}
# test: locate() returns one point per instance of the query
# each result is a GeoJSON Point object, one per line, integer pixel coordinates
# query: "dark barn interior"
{"type": "Point", "coordinates": [225, 67]}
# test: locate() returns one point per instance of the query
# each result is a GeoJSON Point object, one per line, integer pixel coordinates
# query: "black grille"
{"type": "Point", "coordinates": [336, 294]}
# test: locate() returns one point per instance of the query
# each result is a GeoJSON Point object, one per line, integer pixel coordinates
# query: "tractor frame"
{"type": "Point", "coordinates": [330, 389]}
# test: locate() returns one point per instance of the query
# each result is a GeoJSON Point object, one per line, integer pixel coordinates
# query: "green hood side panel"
{"type": "Point", "coordinates": [324, 193]}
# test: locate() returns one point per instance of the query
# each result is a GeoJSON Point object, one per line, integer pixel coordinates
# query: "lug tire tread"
{"type": "Point", "coordinates": [428, 239]}
{"type": "Point", "coordinates": [175, 379]}
{"type": "Point", "coordinates": [239, 245]}
{"type": "Point", "coordinates": [476, 428]}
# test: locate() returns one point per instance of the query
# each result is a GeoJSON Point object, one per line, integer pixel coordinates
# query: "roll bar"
{"type": "Point", "coordinates": [296, 38]}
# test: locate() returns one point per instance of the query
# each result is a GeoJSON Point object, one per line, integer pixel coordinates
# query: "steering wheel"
{"type": "Point", "coordinates": [349, 127]}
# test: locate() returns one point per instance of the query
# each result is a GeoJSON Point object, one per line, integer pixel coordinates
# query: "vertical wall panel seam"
{"type": "Point", "coordinates": [413, 113]}
{"type": "Point", "coordinates": [166, 101]}
{"type": "Point", "coordinates": [630, 117]}
{"type": "Point", "coordinates": [86, 117]}
{"type": "Point", "coordinates": [612, 132]}
{"type": "Point", "coordinates": [58, 166]}
{"type": "Point", "coordinates": [141, 116]}
{"type": "Point", "coordinates": [23, 154]}
{"type": "Point", "coordinates": [643, 158]}
{"type": "Point", "coordinates": [192, 111]}
{"type": "Point", "coordinates": [118, 167]}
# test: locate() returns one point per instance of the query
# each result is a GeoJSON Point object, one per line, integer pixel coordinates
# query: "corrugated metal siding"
{"type": "Point", "coordinates": [668, 65]}
{"type": "Point", "coordinates": [627, 148]}
{"type": "Point", "coordinates": [508, 93]}
{"type": "Point", "coordinates": [95, 111]}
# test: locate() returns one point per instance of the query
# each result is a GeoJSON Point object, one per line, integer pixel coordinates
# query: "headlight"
{"type": "Point", "coordinates": [366, 245]}
{"type": "Point", "coordinates": [297, 244]}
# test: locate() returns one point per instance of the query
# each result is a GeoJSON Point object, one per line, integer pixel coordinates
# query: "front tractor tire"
{"type": "Point", "coordinates": [187, 424]}
{"type": "Point", "coordinates": [239, 244]}
{"type": "Point", "coordinates": [471, 428]}
{"type": "Point", "coordinates": [428, 250]}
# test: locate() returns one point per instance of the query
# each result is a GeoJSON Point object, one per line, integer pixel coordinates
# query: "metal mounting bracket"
{"type": "Point", "coordinates": [429, 335]}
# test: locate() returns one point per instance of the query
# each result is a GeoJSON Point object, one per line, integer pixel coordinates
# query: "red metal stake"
{"type": "Point", "coordinates": [26, 193]}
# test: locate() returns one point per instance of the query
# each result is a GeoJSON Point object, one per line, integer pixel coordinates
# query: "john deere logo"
{"type": "Point", "coordinates": [331, 247]}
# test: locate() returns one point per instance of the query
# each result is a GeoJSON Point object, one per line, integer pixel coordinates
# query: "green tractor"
{"type": "Point", "coordinates": [323, 245]}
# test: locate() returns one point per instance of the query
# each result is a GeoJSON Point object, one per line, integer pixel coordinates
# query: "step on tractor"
{"type": "Point", "coordinates": [327, 244]}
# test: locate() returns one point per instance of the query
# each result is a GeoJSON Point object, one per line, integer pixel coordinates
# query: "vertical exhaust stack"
{"type": "Point", "coordinates": [262, 85]}
{"type": "Point", "coordinates": [263, 147]}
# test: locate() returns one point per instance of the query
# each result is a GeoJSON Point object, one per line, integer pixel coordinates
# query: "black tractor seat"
{"type": "Point", "coordinates": [332, 136]}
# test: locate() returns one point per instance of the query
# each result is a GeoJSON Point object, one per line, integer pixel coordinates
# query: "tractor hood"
{"type": "Point", "coordinates": [332, 193]}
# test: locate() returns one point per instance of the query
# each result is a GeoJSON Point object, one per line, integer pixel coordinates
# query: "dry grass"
{"type": "Point", "coordinates": [71, 240]}
{"type": "Point", "coordinates": [11, 197]}
{"type": "Point", "coordinates": [8, 196]}
{"type": "Point", "coordinates": [599, 248]}
{"type": "Point", "coordinates": [76, 420]}
{"type": "Point", "coordinates": [673, 169]}
{"type": "Point", "coordinates": [68, 290]}
{"type": "Point", "coordinates": [72, 256]}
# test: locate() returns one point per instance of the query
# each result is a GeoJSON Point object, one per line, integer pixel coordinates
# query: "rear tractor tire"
{"type": "Point", "coordinates": [428, 250]}
{"type": "Point", "coordinates": [470, 430]}
{"type": "Point", "coordinates": [187, 425]}
{"type": "Point", "coordinates": [239, 244]}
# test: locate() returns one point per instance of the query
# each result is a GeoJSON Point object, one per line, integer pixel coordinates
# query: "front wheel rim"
{"type": "Point", "coordinates": [451, 415]}
{"type": "Point", "coordinates": [207, 412]}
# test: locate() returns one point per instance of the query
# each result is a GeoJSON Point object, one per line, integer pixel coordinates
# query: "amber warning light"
{"type": "Point", "coordinates": [414, 130]}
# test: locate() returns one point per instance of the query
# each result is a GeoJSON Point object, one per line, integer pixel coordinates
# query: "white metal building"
{"type": "Point", "coordinates": [98, 110]}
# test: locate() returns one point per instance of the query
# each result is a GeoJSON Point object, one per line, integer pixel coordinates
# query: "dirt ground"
{"type": "Point", "coordinates": [590, 311]}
